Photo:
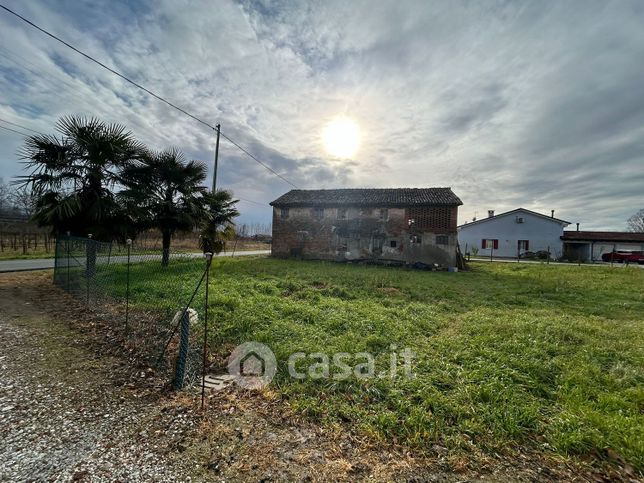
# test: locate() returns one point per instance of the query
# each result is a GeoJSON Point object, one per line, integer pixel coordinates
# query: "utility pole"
{"type": "Point", "coordinates": [214, 175]}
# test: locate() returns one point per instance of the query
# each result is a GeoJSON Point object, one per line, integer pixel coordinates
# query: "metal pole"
{"type": "Point", "coordinates": [214, 175]}
{"type": "Point", "coordinates": [492, 251]}
{"type": "Point", "coordinates": [612, 255]}
{"type": "Point", "coordinates": [88, 249]}
{"type": "Point", "coordinates": [127, 286]}
{"type": "Point", "coordinates": [548, 259]}
{"type": "Point", "coordinates": [68, 257]}
{"type": "Point", "coordinates": [205, 332]}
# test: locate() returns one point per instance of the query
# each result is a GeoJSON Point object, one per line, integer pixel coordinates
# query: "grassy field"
{"type": "Point", "coordinates": [19, 255]}
{"type": "Point", "coordinates": [507, 356]}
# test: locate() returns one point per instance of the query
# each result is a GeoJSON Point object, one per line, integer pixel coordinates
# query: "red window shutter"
{"type": "Point", "coordinates": [496, 244]}
{"type": "Point", "coordinates": [484, 243]}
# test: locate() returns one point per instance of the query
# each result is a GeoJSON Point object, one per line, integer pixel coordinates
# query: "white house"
{"type": "Point", "coordinates": [512, 233]}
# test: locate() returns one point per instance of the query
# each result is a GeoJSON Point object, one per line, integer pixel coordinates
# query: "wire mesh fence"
{"type": "Point", "coordinates": [156, 300]}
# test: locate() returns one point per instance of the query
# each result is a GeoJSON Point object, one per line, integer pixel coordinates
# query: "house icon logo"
{"type": "Point", "coordinates": [252, 365]}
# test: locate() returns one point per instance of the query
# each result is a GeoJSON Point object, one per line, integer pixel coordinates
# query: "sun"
{"type": "Point", "coordinates": [341, 137]}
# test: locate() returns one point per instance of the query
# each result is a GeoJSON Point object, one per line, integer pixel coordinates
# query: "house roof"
{"type": "Point", "coordinates": [395, 197]}
{"type": "Point", "coordinates": [512, 212]}
{"type": "Point", "coordinates": [610, 236]}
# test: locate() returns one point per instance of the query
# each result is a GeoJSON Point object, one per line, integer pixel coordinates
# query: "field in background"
{"type": "Point", "coordinates": [33, 243]}
{"type": "Point", "coordinates": [550, 358]}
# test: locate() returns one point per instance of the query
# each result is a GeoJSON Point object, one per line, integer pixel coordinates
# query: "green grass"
{"type": "Point", "coordinates": [18, 255]}
{"type": "Point", "coordinates": [549, 357]}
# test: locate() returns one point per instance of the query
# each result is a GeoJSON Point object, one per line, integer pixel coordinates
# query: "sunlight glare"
{"type": "Point", "coordinates": [341, 137]}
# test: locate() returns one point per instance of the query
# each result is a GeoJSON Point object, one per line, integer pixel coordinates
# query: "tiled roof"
{"type": "Point", "coordinates": [612, 236]}
{"type": "Point", "coordinates": [369, 197]}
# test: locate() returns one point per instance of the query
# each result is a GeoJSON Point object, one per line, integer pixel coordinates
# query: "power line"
{"type": "Point", "coordinates": [20, 126]}
{"type": "Point", "coordinates": [125, 78]}
{"type": "Point", "coordinates": [257, 160]}
{"type": "Point", "coordinates": [251, 201]}
{"type": "Point", "coordinates": [13, 130]}
{"type": "Point", "coordinates": [55, 79]}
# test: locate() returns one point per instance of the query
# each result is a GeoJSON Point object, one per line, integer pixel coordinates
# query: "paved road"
{"type": "Point", "coordinates": [48, 263]}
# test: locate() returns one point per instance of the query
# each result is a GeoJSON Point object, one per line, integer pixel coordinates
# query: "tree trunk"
{"type": "Point", "coordinates": [166, 248]}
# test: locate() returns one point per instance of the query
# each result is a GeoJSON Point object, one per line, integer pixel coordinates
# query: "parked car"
{"type": "Point", "coordinates": [621, 256]}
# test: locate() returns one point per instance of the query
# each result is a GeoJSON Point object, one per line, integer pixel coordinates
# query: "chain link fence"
{"type": "Point", "coordinates": [155, 300]}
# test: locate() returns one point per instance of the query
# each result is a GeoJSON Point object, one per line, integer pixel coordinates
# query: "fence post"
{"type": "Point", "coordinates": [56, 260]}
{"type": "Point", "coordinates": [88, 257]}
{"type": "Point", "coordinates": [205, 332]}
{"type": "Point", "coordinates": [127, 289]}
{"type": "Point", "coordinates": [68, 259]}
{"type": "Point", "coordinates": [180, 370]}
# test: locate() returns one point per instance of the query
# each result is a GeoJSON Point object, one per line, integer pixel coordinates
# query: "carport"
{"type": "Point", "coordinates": [591, 245]}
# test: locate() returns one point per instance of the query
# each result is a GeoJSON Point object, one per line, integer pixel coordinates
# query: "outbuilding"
{"type": "Point", "coordinates": [591, 245]}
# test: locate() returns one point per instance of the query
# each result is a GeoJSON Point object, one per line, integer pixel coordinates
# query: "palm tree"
{"type": "Point", "coordinates": [219, 226]}
{"type": "Point", "coordinates": [164, 191]}
{"type": "Point", "coordinates": [72, 176]}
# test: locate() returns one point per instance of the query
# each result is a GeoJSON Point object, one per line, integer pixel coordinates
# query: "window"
{"type": "Point", "coordinates": [491, 244]}
{"type": "Point", "coordinates": [442, 240]}
{"type": "Point", "coordinates": [342, 213]}
{"type": "Point", "coordinates": [415, 239]}
{"type": "Point", "coordinates": [392, 243]}
{"type": "Point", "coordinates": [365, 211]}
{"type": "Point", "coordinates": [318, 213]}
{"type": "Point", "coordinates": [524, 245]}
{"type": "Point", "coordinates": [284, 213]}
{"type": "Point", "coordinates": [384, 214]}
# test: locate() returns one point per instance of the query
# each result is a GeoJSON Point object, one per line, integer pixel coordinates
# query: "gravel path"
{"type": "Point", "coordinates": [68, 414]}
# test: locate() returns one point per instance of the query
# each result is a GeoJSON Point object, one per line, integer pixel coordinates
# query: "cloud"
{"type": "Point", "coordinates": [514, 104]}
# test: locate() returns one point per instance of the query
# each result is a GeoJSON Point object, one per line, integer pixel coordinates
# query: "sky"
{"type": "Point", "coordinates": [526, 104]}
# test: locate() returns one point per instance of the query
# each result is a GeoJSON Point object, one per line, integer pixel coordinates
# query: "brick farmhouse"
{"type": "Point", "coordinates": [405, 225]}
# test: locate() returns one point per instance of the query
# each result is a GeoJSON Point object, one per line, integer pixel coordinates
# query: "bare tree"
{"type": "Point", "coordinates": [636, 222]}
{"type": "Point", "coordinates": [23, 201]}
{"type": "Point", "coordinates": [5, 192]}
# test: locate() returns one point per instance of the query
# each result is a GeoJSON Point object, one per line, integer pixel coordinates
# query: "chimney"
{"type": "Point", "coordinates": [490, 213]}
{"type": "Point", "coordinates": [552, 213]}
{"type": "Point", "coordinates": [577, 226]}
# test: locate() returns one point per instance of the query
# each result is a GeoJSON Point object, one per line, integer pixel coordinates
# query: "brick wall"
{"type": "Point", "coordinates": [438, 219]}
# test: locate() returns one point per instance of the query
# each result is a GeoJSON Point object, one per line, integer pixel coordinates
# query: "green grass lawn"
{"type": "Point", "coordinates": [545, 357]}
